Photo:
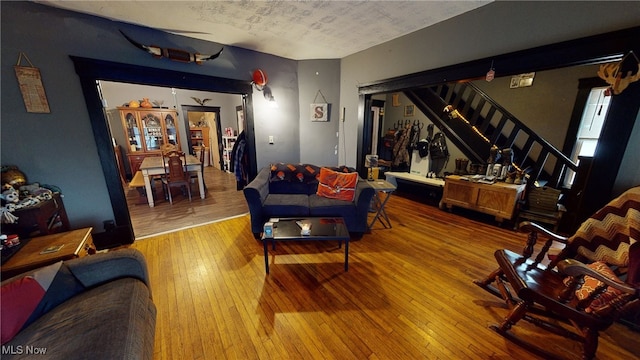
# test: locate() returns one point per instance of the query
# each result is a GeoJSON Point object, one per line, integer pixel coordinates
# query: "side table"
{"type": "Point", "coordinates": [75, 243]}
{"type": "Point", "coordinates": [499, 199]}
{"type": "Point", "coordinates": [385, 187]}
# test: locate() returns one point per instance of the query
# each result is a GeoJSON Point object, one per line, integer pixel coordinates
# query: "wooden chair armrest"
{"type": "Point", "coordinates": [575, 268]}
{"type": "Point", "coordinates": [527, 226]}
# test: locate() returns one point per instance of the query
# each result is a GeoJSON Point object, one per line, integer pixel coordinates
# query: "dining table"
{"type": "Point", "coordinates": [152, 165]}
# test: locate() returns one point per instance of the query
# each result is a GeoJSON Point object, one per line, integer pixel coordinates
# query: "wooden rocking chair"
{"type": "Point", "coordinates": [543, 294]}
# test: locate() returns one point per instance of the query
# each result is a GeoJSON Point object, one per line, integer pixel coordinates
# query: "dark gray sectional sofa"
{"type": "Point", "coordinates": [285, 190]}
{"type": "Point", "coordinates": [108, 313]}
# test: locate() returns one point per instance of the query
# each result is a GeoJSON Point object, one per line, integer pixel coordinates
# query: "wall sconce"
{"type": "Point", "coordinates": [268, 95]}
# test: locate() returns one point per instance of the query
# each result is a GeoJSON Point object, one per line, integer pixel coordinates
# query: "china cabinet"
{"type": "Point", "coordinates": [147, 130]}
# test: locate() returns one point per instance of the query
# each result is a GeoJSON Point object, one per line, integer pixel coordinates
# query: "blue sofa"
{"type": "Point", "coordinates": [286, 190]}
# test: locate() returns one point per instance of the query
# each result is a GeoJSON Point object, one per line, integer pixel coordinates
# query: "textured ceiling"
{"type": "Point", "coordinates": [292, 29]}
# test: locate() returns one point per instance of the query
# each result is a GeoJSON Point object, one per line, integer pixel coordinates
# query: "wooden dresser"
{"type": "Point", "coordinates": [497, 199]}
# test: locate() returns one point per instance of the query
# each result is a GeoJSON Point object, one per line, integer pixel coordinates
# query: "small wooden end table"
{"type": "Point", "coordinates": [75, 243]}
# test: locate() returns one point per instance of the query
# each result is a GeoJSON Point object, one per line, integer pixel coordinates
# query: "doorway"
{"type": "Point", "coordinates": [204, 126]}
{"type": "Point", "coordinates": [91, 70]}
{"type": "Point", "coordinates": [597, 49]}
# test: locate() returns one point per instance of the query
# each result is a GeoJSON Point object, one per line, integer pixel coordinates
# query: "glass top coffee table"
{"type": "Point", "coordinates": [322, 229]}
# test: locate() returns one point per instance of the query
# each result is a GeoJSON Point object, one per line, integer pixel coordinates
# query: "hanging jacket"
{"type": "Point", "coordinates": [239, 161]}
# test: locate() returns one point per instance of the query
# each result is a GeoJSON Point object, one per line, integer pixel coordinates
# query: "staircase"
{"type": "Point", "coordinates": [487, 123]}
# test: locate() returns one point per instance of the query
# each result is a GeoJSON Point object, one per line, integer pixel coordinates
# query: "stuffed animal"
{"type": "Point", "coordinates": [10, 197]}
{"type": "Point", "coordinates": [35, 190]}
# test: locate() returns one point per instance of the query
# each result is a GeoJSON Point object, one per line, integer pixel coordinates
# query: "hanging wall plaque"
{"type": "Point", "coordinates": [30, 82]}
{"type": "Point", "coordinates": [320, 111]}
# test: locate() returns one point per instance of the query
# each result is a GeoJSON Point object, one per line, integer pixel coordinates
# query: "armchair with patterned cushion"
{"type": "Point", "coordinates": [592, 282]}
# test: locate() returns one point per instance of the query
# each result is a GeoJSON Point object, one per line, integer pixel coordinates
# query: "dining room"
{"type": "Point", "coordinates": [202, 125]}
{"type": "Point", "coordinates": [221, 201]}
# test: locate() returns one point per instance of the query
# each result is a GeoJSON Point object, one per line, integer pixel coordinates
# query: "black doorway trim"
{"type": "Point", "coordinates": [92, 70]}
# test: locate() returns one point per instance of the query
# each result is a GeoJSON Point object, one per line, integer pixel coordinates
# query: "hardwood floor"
{"type": "Point", "coordinates": [408, 294]}
{"type": "Point", "coordinates": [222, 201]}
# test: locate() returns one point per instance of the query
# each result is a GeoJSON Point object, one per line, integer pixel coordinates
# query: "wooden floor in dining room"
{"type": "Point", "coordinates": [408, 294]}
{"type": "Point", "coordinates": [222, 200]}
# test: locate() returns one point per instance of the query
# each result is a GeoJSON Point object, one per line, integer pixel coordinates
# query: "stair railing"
{"type": "Point", "coordinates": [486, 119]}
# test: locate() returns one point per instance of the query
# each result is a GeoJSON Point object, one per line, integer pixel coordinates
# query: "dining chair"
{"type": "Point", "coordinates": [166, 148]}
{"type": "Point", "coordinates": [194, 174]}
{"type": "Point", "coordinates": [542, 207]}
{"type": "Point", "coordinates": [176, 174]}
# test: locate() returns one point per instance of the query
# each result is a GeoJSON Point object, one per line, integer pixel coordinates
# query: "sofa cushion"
{"type": "Point", "coordinates": [281, 172]}
{"type": "Point", "coordinates": [115, 320]}
{"type": "Point", "coordinates": [286, 205]}
{"type": "Point", "coordinates": [27, 297]}
{"type": "Point", "coordinates": [318, 202]}
{"type": "Point", "coordinates": [342, 168]}
{"type": "Point", "coordinates": [324, 207]}
{"type": "Point", "coordinates": [287, 187]}
{"type": "Point", "coordinates": [293, 178]}
{"type": "Point", "coordinates": [337, 185]}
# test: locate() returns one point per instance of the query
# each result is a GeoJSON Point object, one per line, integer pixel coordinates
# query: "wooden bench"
{"type": "Point", "coordinates": [433, 187]}
{"type": "Point", "coordinates": [137, 182]}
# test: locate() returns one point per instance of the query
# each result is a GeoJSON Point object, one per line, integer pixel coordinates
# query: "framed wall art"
{"type": "Point", "coordinates": [408, 110]}
{"type": "Point", "coordinates": [320, 112]}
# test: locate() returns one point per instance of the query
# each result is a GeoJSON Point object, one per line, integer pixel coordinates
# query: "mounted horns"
{"type": "Point", "coordinates": [172, 54]}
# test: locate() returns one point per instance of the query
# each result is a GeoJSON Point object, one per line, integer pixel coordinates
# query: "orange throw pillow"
{"type": "Point", "coordinates": [336, 185]}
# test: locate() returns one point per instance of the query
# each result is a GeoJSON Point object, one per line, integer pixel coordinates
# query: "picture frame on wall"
{"type": "Point", "coordinates": [319, 112]}
{"type": "Point", "coordinates": [408, 110]}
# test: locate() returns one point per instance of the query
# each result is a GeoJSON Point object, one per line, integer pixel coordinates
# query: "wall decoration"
{"type": "Point", "coordinates": [200, 102]}
{"type": "Point", "coordinates": [172, 54]}
{"type": "Point", "coordinates": [30, 82]}
{"type": "Point", "coordinates": [395, 100]}
{"type": "Point", "coordinates": [320, 111]}
{"type": "Point", "coordinates": [621, 74]}
{"type": "Point", "coordinates": [408, 111]}
{"type": "Point", "coordinates": [522, 80]}
{"type": "Point", "coordinates": [259, 78]}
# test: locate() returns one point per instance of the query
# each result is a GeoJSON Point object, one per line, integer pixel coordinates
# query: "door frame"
{"type": "Point", "coordinates": [597, 49]}
{"type": "Point", "coordinates": [91, 70]}
{"type": "Point", "coordinates": [197, 108]}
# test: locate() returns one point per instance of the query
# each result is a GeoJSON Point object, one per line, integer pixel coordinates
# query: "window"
{"type": "Point", "coordinates": [593, 117]}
